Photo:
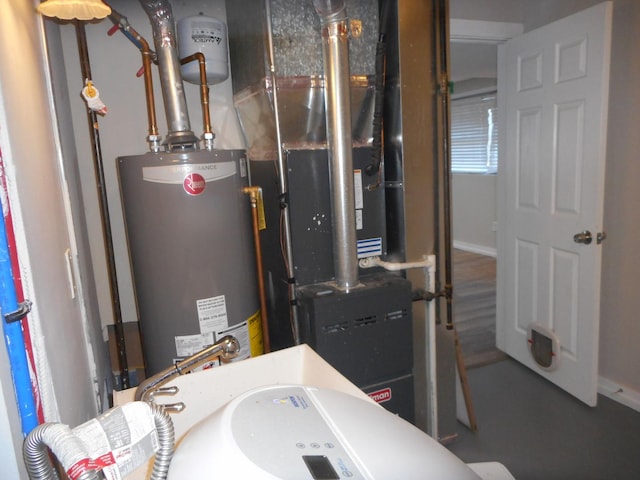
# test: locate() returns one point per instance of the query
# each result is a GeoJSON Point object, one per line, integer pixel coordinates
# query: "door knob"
{"type": "Point", "coordinates": [583, 237]}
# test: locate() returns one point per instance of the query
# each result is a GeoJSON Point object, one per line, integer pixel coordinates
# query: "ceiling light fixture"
{"type": "Point", "coordinates": [78, 9]}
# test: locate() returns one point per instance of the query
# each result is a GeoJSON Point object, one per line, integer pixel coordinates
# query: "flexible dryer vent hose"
{"type": "Point", "coordinates": [74, 453]}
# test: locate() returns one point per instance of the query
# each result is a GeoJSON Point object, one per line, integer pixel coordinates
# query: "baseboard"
{"type": "Point", "coordinates": [473, 248]}
{"type": "Point", "coordinates": [615, 391]}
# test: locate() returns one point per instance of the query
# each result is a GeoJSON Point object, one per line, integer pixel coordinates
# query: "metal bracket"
{"type": "Point", "coordinates": [23, 310]}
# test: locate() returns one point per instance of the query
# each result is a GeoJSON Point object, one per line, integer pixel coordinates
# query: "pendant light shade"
{"type": "Point", "coordinates": [78, 9]}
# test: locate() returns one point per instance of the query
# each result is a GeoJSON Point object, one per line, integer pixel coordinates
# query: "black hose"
{"type": "Point", "coordinates": [378, 110]}
{"type": "Point", "coordinates": [379, 87]}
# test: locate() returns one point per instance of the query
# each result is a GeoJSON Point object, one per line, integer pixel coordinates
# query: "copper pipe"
{"type": "Point", "coordinates": [147, 58]}
{"type": "Point", "coordinates": [253, 193]}
{"type": "Point", "coordinates": [148, 85]}
{"type": "Point", "coordinates": [204, 89]}
{"type": "Point", "coordinates": [442, 11]}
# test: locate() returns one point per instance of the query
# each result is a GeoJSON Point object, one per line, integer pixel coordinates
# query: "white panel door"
{"type": "Point", "coordinates": [553, 87]}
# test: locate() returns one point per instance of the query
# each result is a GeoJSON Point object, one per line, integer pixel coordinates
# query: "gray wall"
{"type": "Point", "coordinates": [619, 327]}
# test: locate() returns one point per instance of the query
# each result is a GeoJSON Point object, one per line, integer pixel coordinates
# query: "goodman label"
{"type": "Point", "coordinates": [381, 396]}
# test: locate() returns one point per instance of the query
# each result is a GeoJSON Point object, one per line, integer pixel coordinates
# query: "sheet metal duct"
{"type": "Point", "coordinates": [335, 49]}
{"type": "Point", "coordinates": [175, 103]}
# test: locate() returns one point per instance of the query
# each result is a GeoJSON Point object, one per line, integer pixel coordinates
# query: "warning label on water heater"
{"type": "Point", "coordinates": [187, 345]}
{"type": "Point", "coordinates": [212, 314]}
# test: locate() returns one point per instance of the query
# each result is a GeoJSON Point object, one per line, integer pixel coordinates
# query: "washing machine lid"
{"type": "Point", "coordinates": [301, 432]}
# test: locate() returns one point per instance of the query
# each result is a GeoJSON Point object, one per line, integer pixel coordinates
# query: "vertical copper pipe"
{"type": "Point", "coordinates": [253, 193]}
{"type": "Point", "coordinates": [148, 85]}
{"type": "Point", "coordinates": [147, 58]}
{"type": "Point", "coordinates": [445, 121]}
{"type": "Point", "coordinates": [204, 89]}
{"type": "Point", "coordinates": [104, 212]}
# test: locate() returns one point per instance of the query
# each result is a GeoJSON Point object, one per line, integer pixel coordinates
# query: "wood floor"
{"type": "Point", "coordinates": [474, 307]}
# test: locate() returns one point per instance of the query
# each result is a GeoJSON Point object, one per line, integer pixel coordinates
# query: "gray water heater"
{"type": "Point", "coordinates": [189, 231]}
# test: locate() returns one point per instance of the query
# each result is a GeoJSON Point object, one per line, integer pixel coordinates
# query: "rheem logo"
{"type": "Point", "coordinates": [194, 184]}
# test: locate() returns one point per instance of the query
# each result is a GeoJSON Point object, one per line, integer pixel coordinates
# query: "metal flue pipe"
{"type": "Point", "coordinates": [335, 50]}
{"type": "Point", "coordinates": [175, 102]}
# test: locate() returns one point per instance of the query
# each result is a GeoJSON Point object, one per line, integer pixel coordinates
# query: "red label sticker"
{"type": "Point", "coordinates": [381, 396]}
{"type": "Point", "coordinates": [194, 184]}
{"type": "Point", "coordinates": [81, 467]}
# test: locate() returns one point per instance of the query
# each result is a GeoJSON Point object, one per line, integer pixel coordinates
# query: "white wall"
{"type": "Point", "coordinates": [40, 190]}
{"type": "Point", "coordinates": [540, 12]}
{"type": "Point", "coordinates": [474, 212]}
{"type": "Point", "coordinates": [123, 131]}
{"type": "Point", "coordinates": [487, 10]}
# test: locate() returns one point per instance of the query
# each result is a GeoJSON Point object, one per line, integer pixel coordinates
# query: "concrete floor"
{"type": "Point", "coordinates": [540, 432]}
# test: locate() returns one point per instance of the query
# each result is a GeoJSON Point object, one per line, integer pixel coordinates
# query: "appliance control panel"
{"type": "Point", "coordinates": [307, 446]}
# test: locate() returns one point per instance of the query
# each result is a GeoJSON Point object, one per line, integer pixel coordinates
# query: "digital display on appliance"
{"type": "Point", "coordinates": [320, 467]}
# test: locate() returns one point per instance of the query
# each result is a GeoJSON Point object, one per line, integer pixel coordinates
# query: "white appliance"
{"type": "Point", "coordinates": [300, 432]}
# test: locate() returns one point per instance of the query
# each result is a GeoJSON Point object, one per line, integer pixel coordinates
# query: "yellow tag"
{"type": "Point", "coordinates": [90, 90]}
{"type": "Point", "coordinates": [262, 222]}
{"type": "Point", "coordinates": [254, 324]}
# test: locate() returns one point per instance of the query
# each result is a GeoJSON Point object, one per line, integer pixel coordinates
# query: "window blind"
{"type": "Point", "coordinates": [474, 134]}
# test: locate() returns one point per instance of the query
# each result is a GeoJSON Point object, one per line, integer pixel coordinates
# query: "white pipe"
{"type": "Point", "coordinates": [370, 262]}
{"type": "Point", "coordinates": [429, 266]}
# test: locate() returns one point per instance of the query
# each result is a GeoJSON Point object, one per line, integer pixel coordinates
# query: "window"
{"type": "Point", "coordinates": [474, 134]}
